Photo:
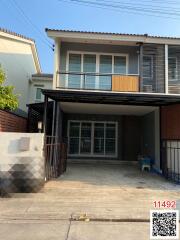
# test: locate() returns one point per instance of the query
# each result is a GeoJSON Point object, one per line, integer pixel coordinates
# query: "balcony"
{"type": "Point", "coordinates": [98, 82]}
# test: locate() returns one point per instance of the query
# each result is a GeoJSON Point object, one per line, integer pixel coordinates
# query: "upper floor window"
{"type": "Point", "coordinates": [105, 66]}
{"type": "Point", "coordinates": [75, 62]}
{"type": "Point", "coordinates": [38, 93]}
{"type": "Point", "coordinates": [89, 66]}
{"type": "Point", "coordinates": [74, 81]}
{"type": "Point", "coordinates": [91, 63]}
{"type": "Point", "coordinates": [120, 64]}
{"type": "Point", "coordinates": [172, 68]}
{"type": "Point", "coordinates": [98, 68]}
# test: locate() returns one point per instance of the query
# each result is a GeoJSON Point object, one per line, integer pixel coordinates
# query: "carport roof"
{"type": "Point", "coordinates": [39, 107]}
{"type": "Point", "coordinates": [111, 98]}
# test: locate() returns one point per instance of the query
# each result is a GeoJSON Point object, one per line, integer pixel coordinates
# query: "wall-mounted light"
{"type": "Point", "coordinates": [39, 126]}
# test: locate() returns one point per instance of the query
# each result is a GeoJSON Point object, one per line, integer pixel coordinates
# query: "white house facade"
{"type": "Point", "coordinates": [19, 59]}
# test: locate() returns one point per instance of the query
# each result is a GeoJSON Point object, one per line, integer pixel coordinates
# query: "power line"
{"type": "Point", "coordinates": [127, 9]}
{"type": "Point", "coordinates": [28, 20]}
{"type": "Point", "coordinates": [141, 4]}
{"type": "Point", "coordinates": [167, 2]}
{"type": "Point", "coordinates": [117, 10]}
{"type": "Point", "coordinates": [127, 6]}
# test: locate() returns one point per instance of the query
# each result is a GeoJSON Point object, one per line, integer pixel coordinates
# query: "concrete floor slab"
{"type": "Point", "coordinates": [110, 231]}
{"type": "Point", "coordinates": [105, 191]}
{"type": "Point", "coordinates": [98, 190]}
{"type": "Point", "coordinates": [36, 230]}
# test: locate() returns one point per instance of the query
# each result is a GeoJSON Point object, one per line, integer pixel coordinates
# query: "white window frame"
{"type": "Point", "coordinates": [98, 54]}
{"type": "Point", "coordinates": [92, 139]}
{"type": "Point", "coordinates": [173, 79]}
{"type": "Point", "coordinates": [35, 93]}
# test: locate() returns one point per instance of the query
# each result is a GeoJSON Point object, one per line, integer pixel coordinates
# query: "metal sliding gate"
{"type": "Point", "coordinates": [55, 157]}
{"type": "Point", "coordinates": [171, 159]}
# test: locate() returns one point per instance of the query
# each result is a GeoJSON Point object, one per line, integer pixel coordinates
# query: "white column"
{"type": "Point", "coordinates": [56, 76]}
{"type": "Point", "coordinates": [97, 70]}
{"type": "Point", "coordinates": [166, 69]}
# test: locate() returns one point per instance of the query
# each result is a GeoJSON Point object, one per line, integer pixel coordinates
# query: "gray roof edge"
{"type": "Point", "coordinates": [42, 75]}
{"type": "Point", "coordinates": [111, 33]}
{"type": "Point", "coordinates": [16, 34]}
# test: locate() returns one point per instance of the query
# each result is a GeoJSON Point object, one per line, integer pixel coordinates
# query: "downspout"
{"type": "Point", "coordinates": [140, 66]}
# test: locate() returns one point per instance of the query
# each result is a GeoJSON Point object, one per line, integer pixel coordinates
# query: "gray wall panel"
{"type": "Point", "coordinates": [101, 48]}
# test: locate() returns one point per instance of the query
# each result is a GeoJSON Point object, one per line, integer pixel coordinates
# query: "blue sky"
{"type": "Point", "coordinates": [65, 15]}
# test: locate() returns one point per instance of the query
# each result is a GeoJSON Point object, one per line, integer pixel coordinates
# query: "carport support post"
{"type": "Point", "coordinates": [53, 133]}
{"type": "Point", "coordinates": [141, 67]}
{"type": "Point", "coordinates": [59, 135]}
{"type": "Point", "coordinates": [45, 115]}
{"type": "Point", "coordinates": [29, 118]}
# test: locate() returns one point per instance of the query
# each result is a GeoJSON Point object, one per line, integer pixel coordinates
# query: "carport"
{"type": "Point", "coordinates": [139, 113]}
{"type": "Point", "coordinates": [136, 131]}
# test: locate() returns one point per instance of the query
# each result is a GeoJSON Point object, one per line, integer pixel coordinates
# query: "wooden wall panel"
{"type": "Point", "coordinates": [10, 122]}
{"type": "Point", "coordinates": [170, 122]}
{"type": "Point", "coordinates": [123, 83]}
{"type": "Point", "coordinates": [131, 138]}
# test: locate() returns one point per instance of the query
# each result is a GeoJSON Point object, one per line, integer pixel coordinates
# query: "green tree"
{"type": "Point", "coordinates": [8, 100]}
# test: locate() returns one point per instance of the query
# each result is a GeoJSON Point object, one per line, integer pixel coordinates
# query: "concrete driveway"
{"type": "Point", "coordinates": [107, 200]}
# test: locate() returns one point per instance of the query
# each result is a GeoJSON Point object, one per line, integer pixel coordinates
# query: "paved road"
{"type": "Point", "coordinates": [92, 191]}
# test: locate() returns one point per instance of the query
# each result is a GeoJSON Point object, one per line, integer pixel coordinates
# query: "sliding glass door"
{"type": "Point", "coordinates": [85, 140]}
{"type": "Point", "coordinates": [89, 67]}
{"type": "Point", "coordinates": [110, 140]}
{"type": "Point", "coordinates": [120, 65]}
{"type": "Point", "coordinates": [99, 138]}
{"type": "Point", "coordinates": [105, 67]}
{"type": "Point", "coordinates": [74, 135]}
{"type": "Point", "coordinates": [94, 71]}
{"type": "Point", "coordinates": [92, 138]}
{"type": "Point", "coordinates": [74, 79]}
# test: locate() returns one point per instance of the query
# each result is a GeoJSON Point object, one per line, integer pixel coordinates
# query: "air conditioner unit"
{"type": "Point", "coordinates": [147, 88]}
{"type": "Point", "coordinates": [174, 89]}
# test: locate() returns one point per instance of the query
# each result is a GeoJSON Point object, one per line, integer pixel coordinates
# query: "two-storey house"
{"type": "Point", "coordinates": [115, 97]}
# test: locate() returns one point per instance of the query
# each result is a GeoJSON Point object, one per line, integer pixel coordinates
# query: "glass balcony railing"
{"type": "Point", "coordinates": [97, 81]}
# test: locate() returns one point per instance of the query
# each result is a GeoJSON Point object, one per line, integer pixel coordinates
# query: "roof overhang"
{"type": "Point", "coordinates": [108, 38]}
{"type": "Point", "coordinates": [139, 99]}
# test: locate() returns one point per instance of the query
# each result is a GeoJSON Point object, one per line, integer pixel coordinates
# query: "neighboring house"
{"type": "Point", "coordinates": [39, 81]}
{"type": "Point", "coordinates": [114, 97]}
{"type": "Point", "coordinates": [19, 59]}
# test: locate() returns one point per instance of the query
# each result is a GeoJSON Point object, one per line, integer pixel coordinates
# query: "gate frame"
{"type": "Point", "coordinates": [55, 157]}
{"type": "Point", "coordinates": [169, 172]}
{"type": "Point", "coordinates": [55, 148]}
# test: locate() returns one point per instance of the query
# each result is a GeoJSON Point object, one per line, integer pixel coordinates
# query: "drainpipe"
{"type": "Point", "coordinates": [140, 67]}
{"type": "Point", "coordinates": [166, 69]}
